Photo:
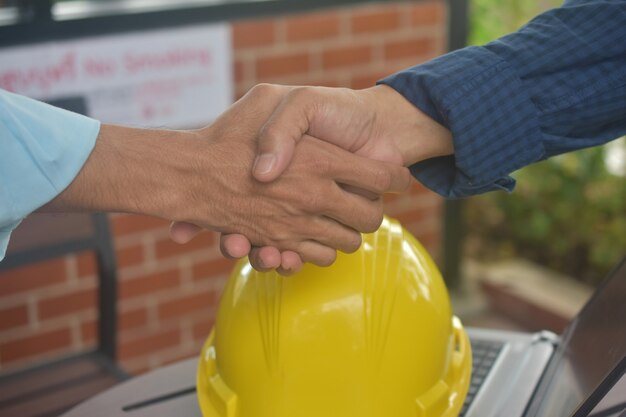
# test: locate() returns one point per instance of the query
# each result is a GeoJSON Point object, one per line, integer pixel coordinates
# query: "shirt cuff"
{"type": "Point", "coordinates": [5, 234]}
{"type": "Point", "coordinates": [43, 149]}
{"type": "Point", "coordinates": [494, 123]}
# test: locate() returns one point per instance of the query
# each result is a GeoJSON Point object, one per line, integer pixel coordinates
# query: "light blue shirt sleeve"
{"type": "Point", "coordinates": [42, 149]}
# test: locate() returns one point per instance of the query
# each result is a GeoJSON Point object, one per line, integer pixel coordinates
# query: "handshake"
{"type": "Point", "coordinates": [322, 160]}
{"type": "Point", "coordinates": [287, 174]}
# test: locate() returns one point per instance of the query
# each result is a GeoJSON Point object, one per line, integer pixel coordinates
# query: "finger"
{"type": "Point", "coordinates": [290, 263]}
{"type": "Point", "coordinates": [359, 191]}
{"type": "Point", "coordinates": [334, 234]}
{"type": "Point", "coordinates": [234, 246]}
{"type": "Point", "coordinates": [316, 253]}
{"type": "Point", "coordinates": [183, 232]}
{"type": "Point", "coordinates": [354, 211]}
{"type": "Point", "coordinates": [280, 134]}
{"type": "Point", "coordinates": [265, 258]}
{"type": "Point", "coordinates": [361, 172]}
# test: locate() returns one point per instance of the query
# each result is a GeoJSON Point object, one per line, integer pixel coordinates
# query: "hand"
{"type": "Point", "coordinates": [203, 178]}
{"type": "Point", "coordinates": [305, 211]}
{"type": "Point", "coordinates": [377, 123]}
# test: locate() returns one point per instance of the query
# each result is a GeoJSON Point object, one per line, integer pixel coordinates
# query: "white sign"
{"type": "Point", "coordinates": [177, 78]}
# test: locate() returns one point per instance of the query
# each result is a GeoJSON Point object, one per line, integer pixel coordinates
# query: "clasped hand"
{"type": "Point", "coordinates": [322, 160]}
{"type": "Point", "coordinates": [320, 203]}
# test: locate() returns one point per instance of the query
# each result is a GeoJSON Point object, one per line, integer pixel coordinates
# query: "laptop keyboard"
{"type": "Point", "coordinates": [484, 355]}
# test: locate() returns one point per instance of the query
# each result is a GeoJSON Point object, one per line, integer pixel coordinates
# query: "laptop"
{"type": "Point", "coordinates": [581, 373]}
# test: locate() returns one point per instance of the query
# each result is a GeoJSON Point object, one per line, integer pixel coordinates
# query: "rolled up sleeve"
{"type": "Point", "coordinates": [556, 85]}
{"type": "Point", "coordinates": [42, 150]}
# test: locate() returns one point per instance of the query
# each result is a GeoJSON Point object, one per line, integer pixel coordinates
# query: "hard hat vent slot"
{"type": "Point", "coordinates": [434, 402]}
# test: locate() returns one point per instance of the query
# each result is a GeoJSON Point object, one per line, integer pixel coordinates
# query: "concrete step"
{"type": "Point", "coordinates": [518, 295]}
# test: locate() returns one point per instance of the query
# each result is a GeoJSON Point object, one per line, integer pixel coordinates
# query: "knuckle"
{"type": "Point", "coordinates": [262, 89]}
{"type": "Point", "coordinates": [301, 92]}
{"type": "Point", "coordinates": [304, 98]}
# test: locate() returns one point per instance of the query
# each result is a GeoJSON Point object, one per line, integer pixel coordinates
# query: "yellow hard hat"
{"type": "Point", "coordinates": [370, 336]}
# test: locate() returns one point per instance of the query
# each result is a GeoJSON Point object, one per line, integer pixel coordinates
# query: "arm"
{"type": "Point", "coordinates": [203, 177]}
{"type": "Point", "coordinates": [42, 148]}
{"type": "Point", "coordinates": [556, 85]}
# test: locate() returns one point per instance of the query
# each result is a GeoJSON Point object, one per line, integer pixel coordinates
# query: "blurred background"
{"type": "Point", "coordinates": [564, 224]}
{"type": "Point", "coordinates": [567, 213]}
{"type": "Point", "coordinates": [116, 285]}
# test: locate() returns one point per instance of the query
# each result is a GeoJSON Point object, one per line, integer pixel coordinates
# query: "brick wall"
{"type": "Point", "coordinates": [168, 293]}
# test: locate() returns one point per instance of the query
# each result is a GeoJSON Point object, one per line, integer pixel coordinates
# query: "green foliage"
{"type": "Point", "coordinates": [568, 213]}
{"type": "Point", "coordinates": [491, 19]}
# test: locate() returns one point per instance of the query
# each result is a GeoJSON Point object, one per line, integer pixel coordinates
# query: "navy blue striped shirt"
{"type": "Point", "coordinates": [556, 85]}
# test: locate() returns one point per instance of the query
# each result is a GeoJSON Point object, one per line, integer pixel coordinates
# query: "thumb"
{"type": "Point", "coordinates": [280, 135]}
{"type": "Point", "coordinates": [274, 154]}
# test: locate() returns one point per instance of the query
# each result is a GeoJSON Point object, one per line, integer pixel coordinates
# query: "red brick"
{"type": "Point", "coordinates": [312, 26]}
{"type": "Point", "coordinates": [367, 80]}
{"type": "Point", "coordinates": [132, 255]}
{"type": "Point", "coordinates": [129, 223]}
{"type": "Point", "coordinates": [13, 317]}
{"type": "Point", "coordinates": [253, 34]}
{"type": "Point", "coordinates": [149, 344]}
{"type": "Point", "coordinates": [418, 214]}
{"type": "Point", "coordinates": [89, 331]}
{"type": "Point", "coordinates": [67, 304]}
{"type": "Point", "coordinates": [375, 21]}
{"type": "Point", "coordinates": [431, 241]}
{"type": "Point", "coordinates": [138, 369]}
{"type": "Point", "coordinates": [411, 48]}
{"type": "Point", "coordinates": [86, 264]}
{"type": "Point", "coordinates": [240, 92]}
{"type": "Point", "coordinates": [167, 247]}
{"type": "Point", "coordinates": [35, 345]}
{"type": "Point", "coordinates": [277, 65]}
{"type": "Point", "coordinates": [212, 268]}
{"type": "Point", "coordinates": [325, 82]}
{"type": "Point", "coordinates": [180, 355]}
{"type": "Point", "coordinates": [197, 302]}
{"type": "Point", "coordinates": [39, 275]}
{"type": "Point", "coordinates": [132, 319]}
{"type": "Point", "coordinates": [346, 56]}
{"type": "Point", "coordinates": [201, 329]}
{"type": "Point", "coordinates": [238, 70]}
{"type": "Point", "coordinates": [428, 14]}
{"type": "Point", "coordinates": [149, 284]}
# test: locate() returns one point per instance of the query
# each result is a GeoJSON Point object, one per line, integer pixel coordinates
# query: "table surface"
{"type": "Point", "coordinates": [171, 392]}
{"type": "Point", "coordinates": [166, 392]}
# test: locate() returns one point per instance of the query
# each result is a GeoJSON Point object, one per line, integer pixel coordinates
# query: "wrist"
{"type": "Point", "coordinates": [416, 136]}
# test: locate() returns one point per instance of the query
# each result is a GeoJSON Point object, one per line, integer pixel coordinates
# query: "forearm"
{"type": "Point", "coordinates": [556, 85]}
{"type": "Point", "coordinates": [133, 171]}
